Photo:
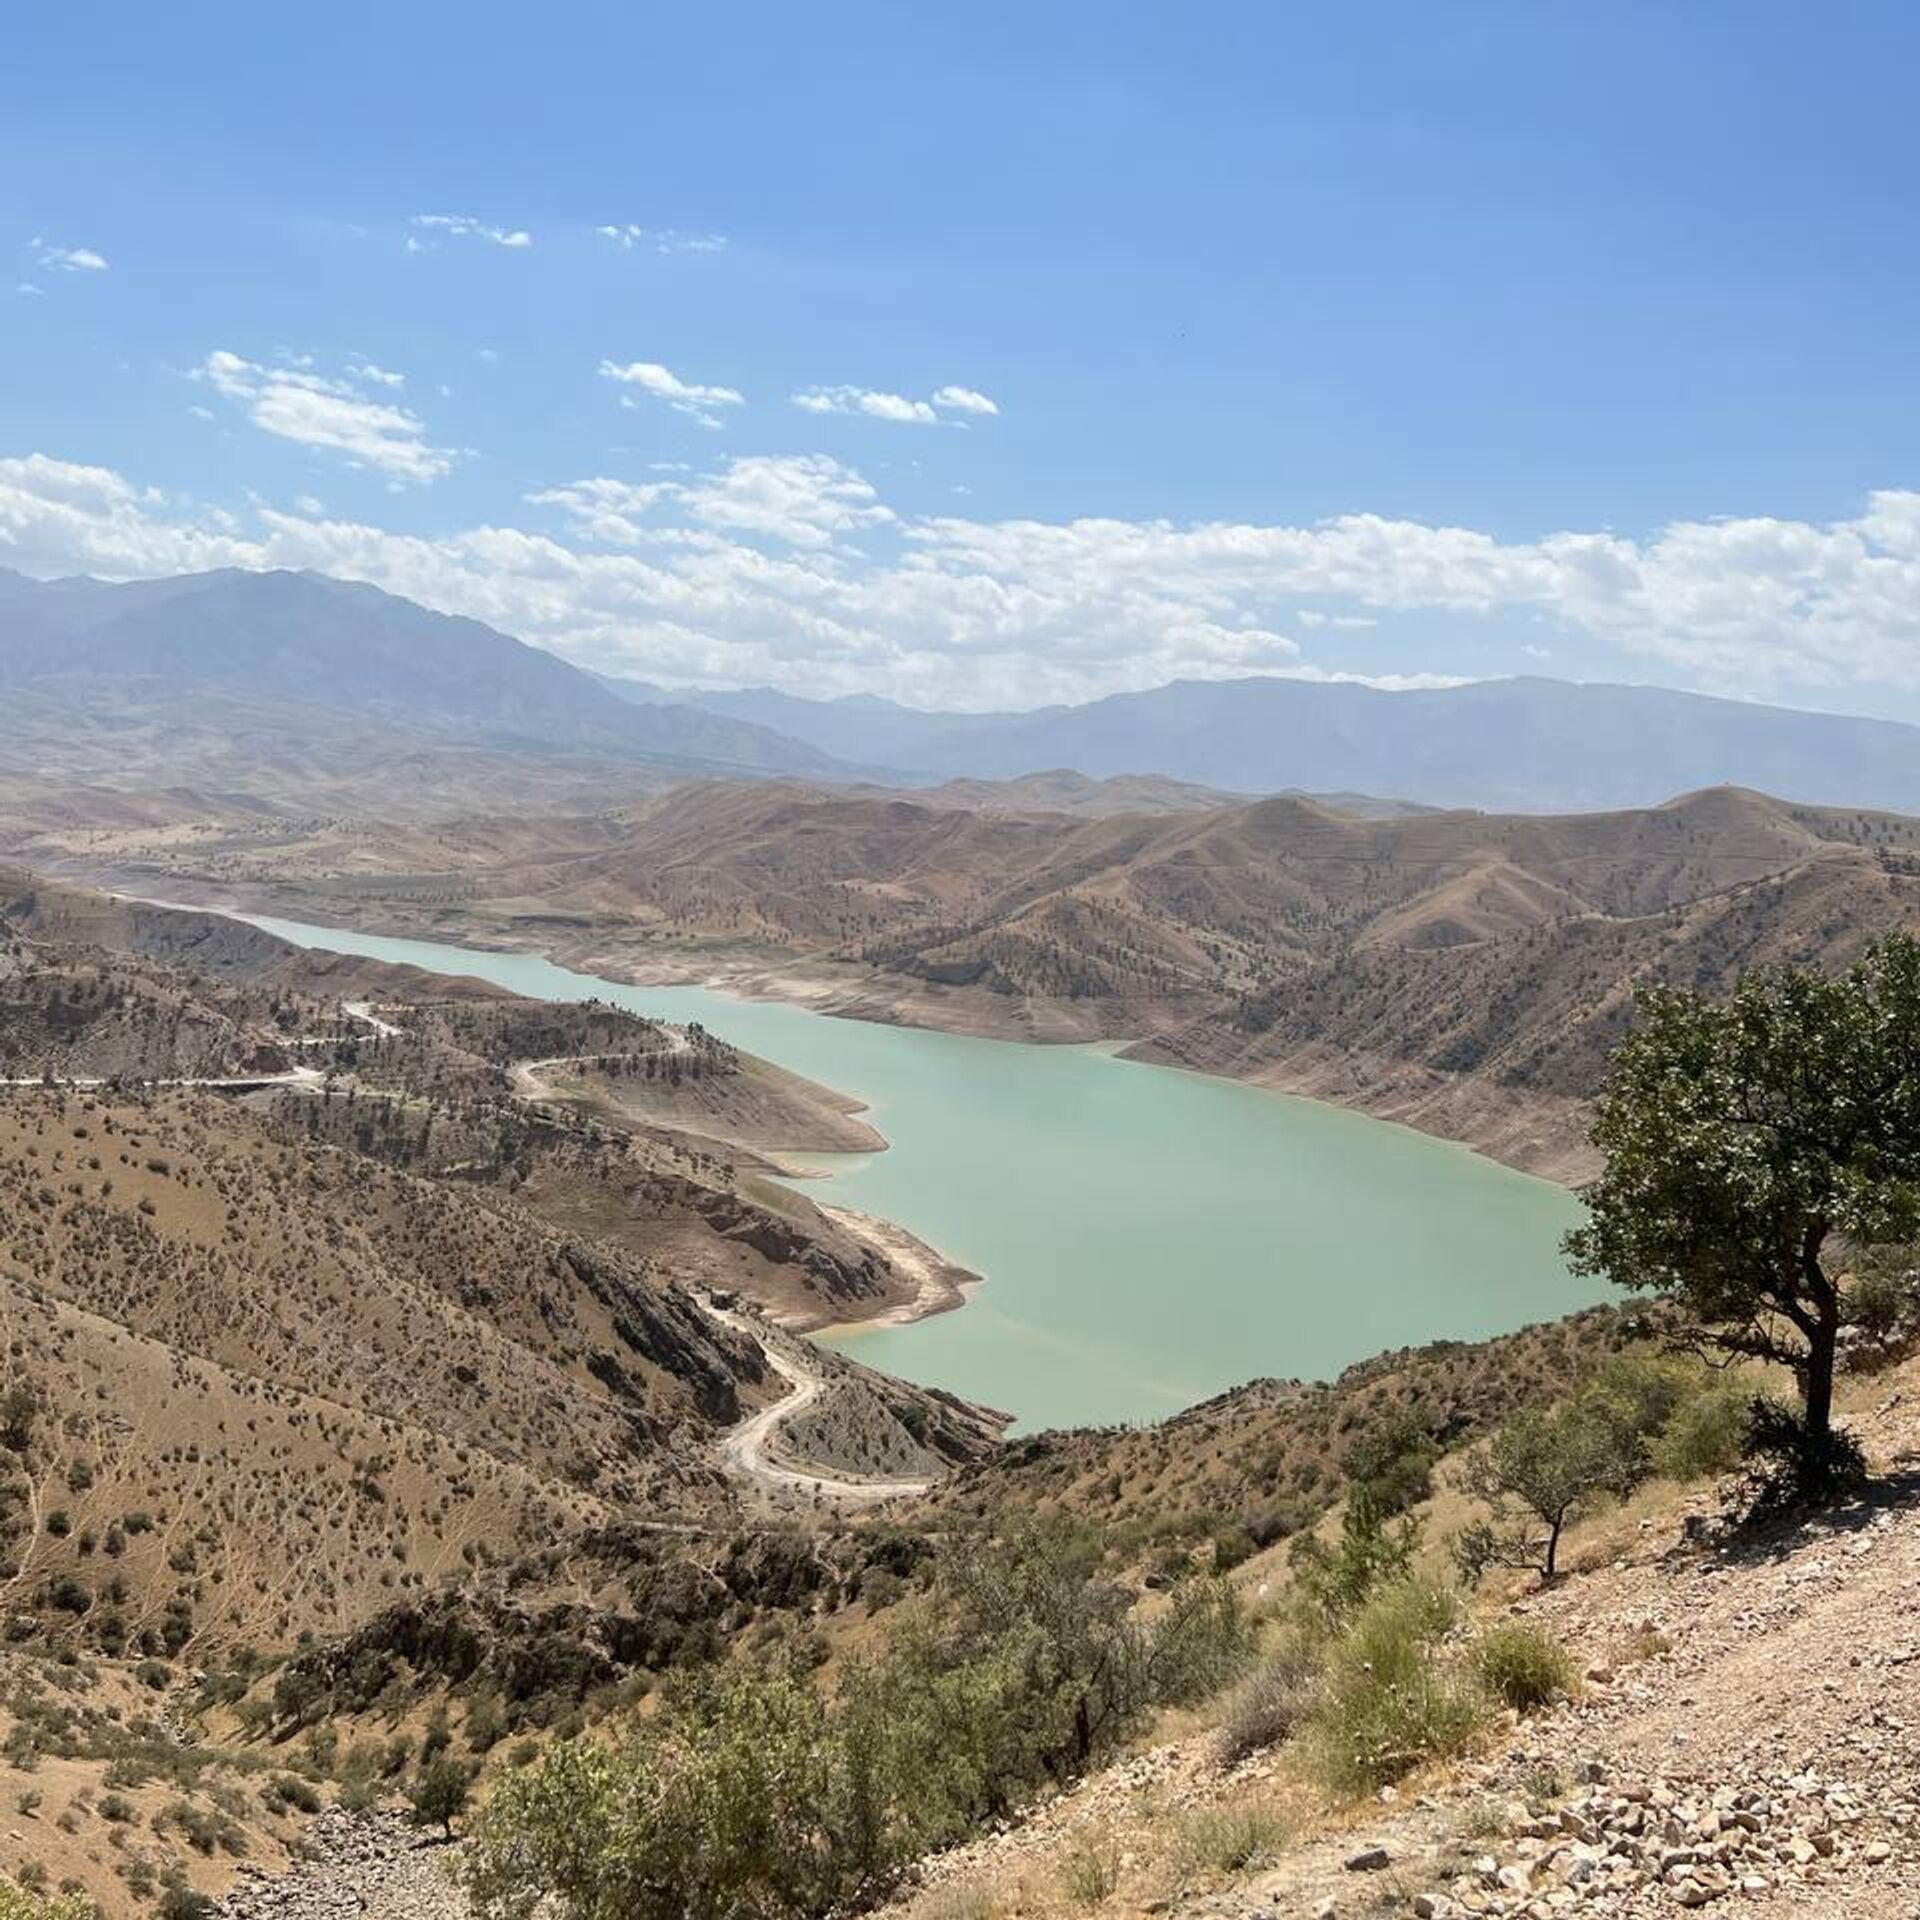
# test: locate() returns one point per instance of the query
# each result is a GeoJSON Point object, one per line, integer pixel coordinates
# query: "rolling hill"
{"type": "Point", "coordinates": [1463, 971]}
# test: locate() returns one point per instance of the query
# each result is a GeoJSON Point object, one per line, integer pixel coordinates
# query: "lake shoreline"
{"type": "Point", "coordinates": [1154, 1234]}
{"type": "Point", "coordinates": [1540, 1135]}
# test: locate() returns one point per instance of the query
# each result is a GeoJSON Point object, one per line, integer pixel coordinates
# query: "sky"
{"type": "Point", "coordinates": [995, 355]}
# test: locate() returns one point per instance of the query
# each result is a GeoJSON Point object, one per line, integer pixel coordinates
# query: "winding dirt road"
{"type": "Point", "coordinates": [744, 1448]}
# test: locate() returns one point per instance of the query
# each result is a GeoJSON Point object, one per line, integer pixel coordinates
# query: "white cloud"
{"type": "Point", "coordinates": [662, 239]}
{"type": "Point", "coordinates": [430, 227]}
{"type": "Point", "coordinates": [877, 406]}
{"type": "Point", "coordinates": [793, 571]}
{"type": "Point", "coordinates": [28, 290]}
{"type": "Point", "coordinates": [379, 376]}
{"type": "Point", "coordinates": [798, 500]}
{"type": "Point", "coordinates": [609, 512]}
{"type": "Point", "coordinates": [801, 500]}
{"type": "Point", "coordinates": [650, 377]}
{"type": "Point", "coordinates": [67, 259]}
{"type": "Point", "coordinates": [963, 400]}
{"type": "Point", "coordinates": [897, 407]}
{"type": "Point", "coordinates": [296, 404]}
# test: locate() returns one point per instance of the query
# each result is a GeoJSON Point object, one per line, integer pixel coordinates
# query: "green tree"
{"type": "Point", "coordinates": [1545, 1468]}
{"type": "Point", "coordinates": [1338, 1581]}
{"type": "Point", "coordinates": [1744, 1137]}
{"type": "Point", "coordinates": [439, 1795]}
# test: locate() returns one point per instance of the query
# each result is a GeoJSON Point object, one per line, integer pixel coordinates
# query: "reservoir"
{"type": "Point", "coordinates": [1149, 1237]}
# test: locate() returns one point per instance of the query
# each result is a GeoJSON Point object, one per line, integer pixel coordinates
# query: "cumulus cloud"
{"type": "Point", "coordinates": [801, 500]}
{"type": "Point", "coordinates": [876, 406]}
{"type": "Point", "coordinates": [662, 239]}
{"type": "Point", "coordinates": [963, 400]}
{"type": "Point", "coordinates": [430, 228]}
{"type": "Point", "coordinates": [897, 407]}
{"type": "Point", "coordinates": [66, 259]}
{"type": "Point", "coordinates": [794, 571]}
{"type": "Point", "coordinates": [797, 500]}
{"type": "Point", "coordinates": [613, 513]}
{"type": "Point", "coordinates": [683, 396]}
{"type": "Point", "coordinates": [294, 403]}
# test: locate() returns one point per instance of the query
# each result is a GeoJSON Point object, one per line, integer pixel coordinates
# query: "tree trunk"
{"type": "Point", "coordinates": [1816, 1382]}
{"type": "Point", "coordinates": [1553, 1547]}
{"type": "Point", "coordinates": [1823, 1338]}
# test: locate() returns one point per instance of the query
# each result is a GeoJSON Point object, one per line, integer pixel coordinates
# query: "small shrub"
{"type": "Point", "coordinates": [1792, 1468]}
{"type": "Point", "coordinates": [1390, 1700]}
{"type": "Point", "coordinates": [1705, 1434]}
{"type": "Point", "coordinates": [1090, 1873]}
{"type": "Point", "coordinates": [1372, 1553]}
{"type": "Point", "coordinates": [1884, 1300]}
{"type": "Point", "coordinates": [1267, 1707]}
{"type": "Point", "coordinates": [1522, 1667]}
{"type": "Point", "coordinates": [1224, 1840]}
{"type": "Point", "coordinates": [439, 1794]}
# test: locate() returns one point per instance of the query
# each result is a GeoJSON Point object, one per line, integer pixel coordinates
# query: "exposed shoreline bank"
{"type": "Point", "coordinates": [1538, 1134]}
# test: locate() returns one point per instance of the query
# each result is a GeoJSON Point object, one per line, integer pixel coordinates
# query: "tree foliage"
{"type": "Point", "coordinates": [439, 1794]}
{"type": "Point", "coordinates": [751, 1794]}
{"type": "Point", "coordinates": [1744, 1137]}
{"type": "Point", "coordinates": [1540, 1471]}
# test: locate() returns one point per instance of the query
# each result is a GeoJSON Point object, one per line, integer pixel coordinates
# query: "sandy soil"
{"type": "Point", "coordinates": [939, 1285]}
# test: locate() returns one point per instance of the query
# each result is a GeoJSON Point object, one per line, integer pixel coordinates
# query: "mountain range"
{"type": "Point", "coordinates": [301, 650]}
{"type": "Point", "coordinates": [315, 690]}
{"type": "Point", "coordinates": [1465, 971]}
{"type": "Point", "coordinates": [1523, 744]}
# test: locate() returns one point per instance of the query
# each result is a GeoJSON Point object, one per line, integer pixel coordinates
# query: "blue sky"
{"type": "Point", "coordinates": [1400, 341]}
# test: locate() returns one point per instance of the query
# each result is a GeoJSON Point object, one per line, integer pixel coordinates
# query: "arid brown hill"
{"type": "Point", "coordinates": [1466, 972]}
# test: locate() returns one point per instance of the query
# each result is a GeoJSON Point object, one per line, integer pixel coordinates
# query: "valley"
{"type": "Point", "coordinates": [1463, 973]}
{"type": "Point", "coordinates": [528, 1213]}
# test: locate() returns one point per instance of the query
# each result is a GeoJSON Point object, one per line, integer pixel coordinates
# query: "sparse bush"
{"type": "Point", "coordinates": [1267, 1707]}
{"type": "Point", "coordinates": [1373, 1552]}
{"type": "Point", "coordinates": [1522, 1667]}
{"type": "Point", "coordinates": [749, 1793]}
{"type": "Point", "coordinates": [1090, 1872]}
{"type": "Point", "coordinates": [966, 1901]}
{"type": "Point", "coordinates": [1706, 1433]}
{"type": "Point", "coordinates": [1223, 1840]}
{"type": "Point", "coordinates": [1389, 1701]}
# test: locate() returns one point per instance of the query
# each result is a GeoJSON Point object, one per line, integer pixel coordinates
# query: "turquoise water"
{"type": "Point", "coordinates": [1149, 1237]}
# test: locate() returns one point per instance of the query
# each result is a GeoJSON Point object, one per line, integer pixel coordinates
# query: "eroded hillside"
{"type": "Point", "coordinates": [1465, 972]}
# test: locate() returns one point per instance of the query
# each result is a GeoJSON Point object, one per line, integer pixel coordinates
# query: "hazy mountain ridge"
{"type": "Point", "coordinates": [1504, 745]}
{"type": "Point", "coordinates": [291, 642]}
